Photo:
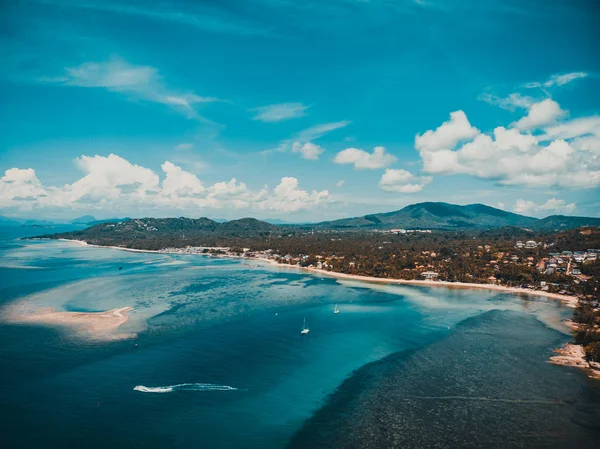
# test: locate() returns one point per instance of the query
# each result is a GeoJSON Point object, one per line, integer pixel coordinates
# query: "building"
{"type": "Point", "coordinates": [429, 275]}
{"type": "Point", "coordinates": [530, 244]}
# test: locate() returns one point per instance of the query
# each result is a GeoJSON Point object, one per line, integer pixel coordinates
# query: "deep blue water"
{"type": "Point", "coordinates": [382, 373]}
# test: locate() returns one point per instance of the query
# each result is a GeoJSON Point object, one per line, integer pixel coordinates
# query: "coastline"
{"type": "Point", "coordinates": [101, 326]}
{"type": "Point", "coordinates": [574, 356]}
{"type": "Point", "coordinates": [569, 301]}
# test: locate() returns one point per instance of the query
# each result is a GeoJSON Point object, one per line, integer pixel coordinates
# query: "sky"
{"type": "Point", "coordinates": [297, 110]}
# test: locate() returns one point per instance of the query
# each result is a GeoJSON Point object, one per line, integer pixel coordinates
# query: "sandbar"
{"type": "Point", "coordinates": [94, 326]}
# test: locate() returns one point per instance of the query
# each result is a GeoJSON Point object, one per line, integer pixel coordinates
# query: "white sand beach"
{"type": "Point", "coordinates": [570, 301]}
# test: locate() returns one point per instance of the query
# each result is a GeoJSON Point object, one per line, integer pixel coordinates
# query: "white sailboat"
{"type": "Point", "coordinates": [336, 310]}
{"type": "Point", "coordinates": [305, 330]}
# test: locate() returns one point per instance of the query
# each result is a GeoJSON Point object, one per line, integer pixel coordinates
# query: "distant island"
{"type": "Point", "coordinates": [426, 243]}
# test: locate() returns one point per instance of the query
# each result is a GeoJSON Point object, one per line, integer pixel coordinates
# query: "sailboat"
{"type": "Point", "coordinates": [305, 330]}
{"type": "Point", "coordinates": [336, 310]}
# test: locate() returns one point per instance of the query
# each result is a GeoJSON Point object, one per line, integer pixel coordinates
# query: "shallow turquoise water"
{"type": "Point", "coordinates": [220, 322]}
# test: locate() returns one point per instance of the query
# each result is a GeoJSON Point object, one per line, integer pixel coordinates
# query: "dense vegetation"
{"type": "Point", "coordinates": [159, 233]}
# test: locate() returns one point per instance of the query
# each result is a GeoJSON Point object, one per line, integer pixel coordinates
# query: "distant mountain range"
{"type": "Point", "coordinates": [452, 216]}
{"type": "Point", "coordinates": [436, 216]}
{"type": "Point", "coordinates": [90, 220]}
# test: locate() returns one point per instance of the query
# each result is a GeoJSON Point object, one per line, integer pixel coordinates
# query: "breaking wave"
{"type": "Point", "coordinates": [184, 387]}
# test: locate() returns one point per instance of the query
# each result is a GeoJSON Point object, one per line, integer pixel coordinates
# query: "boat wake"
{"type": "Point", "coordinates": [184, 387]}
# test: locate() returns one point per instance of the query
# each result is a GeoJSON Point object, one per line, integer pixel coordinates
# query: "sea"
{"type": "Point", "coordinates": [218, 360]}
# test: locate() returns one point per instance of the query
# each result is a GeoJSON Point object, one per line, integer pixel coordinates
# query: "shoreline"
{"type": "Point", "coordinates": [574, 356]}
{"type": "Point", "coordinates": [101, 326]}
{"type": "Point", "coordinates": [568, 300]}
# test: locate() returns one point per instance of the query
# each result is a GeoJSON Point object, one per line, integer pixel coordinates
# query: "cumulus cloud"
{"type": "Point", "coordinates": [363, 160]}
{"type": "Point", "coordinates": [565, 154]}
{"type": "Point", "coordinates": [552, 205]}
{"type": "Point", "coordinates": [309, 150]}
{"type": "Point", "coordinates": [543, 113]}
{"type": "Point", "coordinates": [289, 197]}
{"type": "Point", "coordinates": [112, 183]}
{"type": "Point", "coordinates": [402, 181]}
{"type": "Point", "coordinates": [448, 134]}
{"type": "Point", "coordinates": [135, 81]}
{"type": "Point", "coordinates": [180, 183]}
{"type": "Point", "coordinates": [279, 112]}
{"type": "Point", "coordinates": [17, 185]}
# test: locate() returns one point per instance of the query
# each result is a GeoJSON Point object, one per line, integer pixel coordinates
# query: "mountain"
{"type": "Point", "coordinates": [246, 226]}
{"type": "Point", "coordinates": [279, 221]}
{"type": "Point", "coordinates": [156, 233]}
{"type": "Point", "coordinates": [107, 220]}
{"type": "Point", "coordinates": [4, 221]}
{"type": "Point", "coordinates": [83, 220]}
{"type": "Point", "coordinates": [558, 222]}
{"type": "Point", "coordinates": [436, 216]}
{"type": "Point", "coordinates": [90, 220]}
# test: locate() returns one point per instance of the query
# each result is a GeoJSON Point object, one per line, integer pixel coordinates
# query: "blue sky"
{"type": "Point", "coordinates": [305, 110]}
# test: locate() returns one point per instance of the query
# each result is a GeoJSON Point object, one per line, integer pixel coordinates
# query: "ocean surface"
{"type": "Point", "coordinates": [220, 362]}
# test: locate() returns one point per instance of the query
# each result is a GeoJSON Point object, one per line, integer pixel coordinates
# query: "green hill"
{"type": "Point", "coordinates": [436, 216]}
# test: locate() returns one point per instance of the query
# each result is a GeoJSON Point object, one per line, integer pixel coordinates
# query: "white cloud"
{"type": "Point", "coordinates": [567, 155]}
{"type": "Point", "coordinates": [552, 205]}
{"type": "Point", "coordinates": [340, 183]}
{"type": "Point", "coordinates": [110, 177]}
{"type": "Point", "coordinates": [184, 146]}
{"type": "Point", "coordinates": [138, 82]}
{"type": "Point", "coordinates": [512, 102]}
{"type": "Point", "coordinates": [111, 183]}
{"type": "Point", "coordinates": [307, 135]}
{"type": "Point", "coordinates": [447, 135]}
{"type": "Point", "coordinates": [579, 127]}
{"type": "Point", "coordinates": [314, 132]}
{"type": "Point", "coordinates": [402, 181]}
{"type": "Point", "coordinates": [364, 160]}
{"type": "Point", "coordinates": [20, 188]}
{"type": "Point", "coordinates": [308, 150]}
{"type": "Point", "coordinates": [288, 197]}
{"type": "Point", "coordinates": [543, 113]}
{"type": "Point", "coordinates": [557, 80]}
{"type": "Point", "coordinates": [180, 183]}
{"type": "Point", "coordinates": [279, 112]}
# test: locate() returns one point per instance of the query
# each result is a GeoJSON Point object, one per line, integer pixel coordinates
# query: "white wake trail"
{"type": "Point", "coordinates": [184, 387]}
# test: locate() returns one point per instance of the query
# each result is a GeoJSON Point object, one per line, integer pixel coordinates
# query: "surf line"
{"type": "Point", "coordinates": [184, 387]}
